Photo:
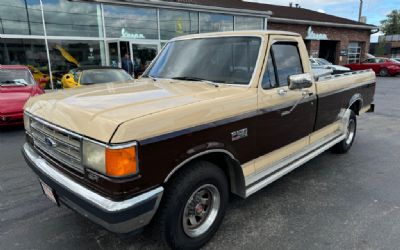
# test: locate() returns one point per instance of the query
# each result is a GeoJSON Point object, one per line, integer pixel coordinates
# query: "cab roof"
{"type": "Point", "coordinates": [237, 33]}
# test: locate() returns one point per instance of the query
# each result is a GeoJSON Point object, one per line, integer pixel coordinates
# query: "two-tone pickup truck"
{"type": "Point", "coordinates": [214, 115]}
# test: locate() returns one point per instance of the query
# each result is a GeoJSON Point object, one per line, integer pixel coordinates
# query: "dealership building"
{"type": "Point", "coordinates": [54, 36]}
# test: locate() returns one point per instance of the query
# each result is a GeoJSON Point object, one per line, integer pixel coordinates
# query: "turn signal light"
{"type": "Point", "coordinates": [121, 162]}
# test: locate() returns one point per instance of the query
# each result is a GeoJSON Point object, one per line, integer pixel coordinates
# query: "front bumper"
{"type": "Point", "coordinates": [117, 216]}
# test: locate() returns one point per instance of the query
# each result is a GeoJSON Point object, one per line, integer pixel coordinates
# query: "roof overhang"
{"type": "Point", "coordinates": [328, 24]}
{"type": "Point", "coordinates": [183, 6]}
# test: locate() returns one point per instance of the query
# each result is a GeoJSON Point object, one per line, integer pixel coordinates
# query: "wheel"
{"type": "Point", "coordinates": [383, 72]}
{"type": "Point", "coordinates": [344, 146]}
{"type": "Point", "coordinates": [193, 206]}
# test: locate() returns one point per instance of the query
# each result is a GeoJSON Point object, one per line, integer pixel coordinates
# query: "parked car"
{"type": "Point", "coordinates": [396, 59]}
{"type": "Point", "coordinates": [87, 75]}
{"type": "Point", "coordinates": [381, 66]}
{"type": "Point", "coordinates": [323, 63]}
{"type": "Point", "coordinates": [195, 129]}
{"type": "Point", "coordinates": [16, 87]}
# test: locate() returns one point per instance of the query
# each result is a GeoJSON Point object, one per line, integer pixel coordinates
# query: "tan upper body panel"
{"type": "Point", "coordinates": [123, 112]}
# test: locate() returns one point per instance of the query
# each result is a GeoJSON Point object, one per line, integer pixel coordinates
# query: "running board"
{"type": "Point", "coordinates": [286, 167]}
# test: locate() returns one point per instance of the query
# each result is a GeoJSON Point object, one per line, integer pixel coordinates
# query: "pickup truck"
{"type": "Point", "coordinates": [214, 115]}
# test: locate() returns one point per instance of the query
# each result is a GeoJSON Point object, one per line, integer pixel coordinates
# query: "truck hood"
{"type": "Point", "coordinates": [98, 110]}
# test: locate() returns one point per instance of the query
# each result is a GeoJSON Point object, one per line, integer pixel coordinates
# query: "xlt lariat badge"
{"type": "Point", "coordinates": [239, 134]}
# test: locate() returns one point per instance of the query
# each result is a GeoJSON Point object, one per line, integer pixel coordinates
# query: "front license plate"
{"type": "Point", "coordinates": [49, 192]}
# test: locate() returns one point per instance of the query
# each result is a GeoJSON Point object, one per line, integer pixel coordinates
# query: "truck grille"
{"type": "Point", "coordinates": [57, 143]}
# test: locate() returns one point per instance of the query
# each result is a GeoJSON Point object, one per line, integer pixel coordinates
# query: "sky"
{"type": "Point", "coordinates": [374, 10]}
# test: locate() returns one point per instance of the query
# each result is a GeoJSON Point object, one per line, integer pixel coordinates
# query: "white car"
{"type": "Point", "coordinates": [320, 63]}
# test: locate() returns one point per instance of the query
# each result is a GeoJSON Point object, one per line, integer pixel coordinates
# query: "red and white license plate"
{"type": "Point", "coordinates": [49, 192]}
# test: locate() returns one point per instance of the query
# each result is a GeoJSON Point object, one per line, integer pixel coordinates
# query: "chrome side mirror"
{"type": "Point", "coordinates": [300, 81]}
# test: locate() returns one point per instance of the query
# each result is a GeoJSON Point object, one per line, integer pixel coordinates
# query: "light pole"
{"type": "Point", "coordinates": [360, 10]}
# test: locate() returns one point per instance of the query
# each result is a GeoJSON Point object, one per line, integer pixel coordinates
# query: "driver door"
{"type": "Point", "coordinates": [288, 116]}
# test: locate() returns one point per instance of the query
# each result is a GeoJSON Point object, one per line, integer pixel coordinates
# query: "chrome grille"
{"type": "Point", "coordinates": [57, 143]}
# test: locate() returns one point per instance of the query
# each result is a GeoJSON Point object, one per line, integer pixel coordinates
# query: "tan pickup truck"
{"type": "Point", "coordinates": [214, 115]}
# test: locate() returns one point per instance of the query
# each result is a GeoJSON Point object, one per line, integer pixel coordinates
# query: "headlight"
{"type": "Point", "coordinates": [27, 122]}
{"type": "Point", "coordinates": [113, 161]}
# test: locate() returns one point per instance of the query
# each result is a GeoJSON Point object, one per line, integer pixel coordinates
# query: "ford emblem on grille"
{"type": "Point", "coordinates": [50, 142]}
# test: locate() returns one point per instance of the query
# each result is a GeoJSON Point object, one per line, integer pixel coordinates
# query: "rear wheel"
{"type": "Point", "coordinates": [193, 206]}
{"type": "Point", "coordinates": [344, 146]}
{"type": "Point", "coordinates": [383, 72]}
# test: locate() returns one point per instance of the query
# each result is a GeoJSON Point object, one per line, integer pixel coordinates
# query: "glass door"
{"type": "Point", "coordinates": [114, 54]}
{"type": "Point", "coordinates": [142, 55]}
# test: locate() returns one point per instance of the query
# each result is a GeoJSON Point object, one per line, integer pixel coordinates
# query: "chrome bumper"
{"type": "Point", "coordinates": [117, 216]}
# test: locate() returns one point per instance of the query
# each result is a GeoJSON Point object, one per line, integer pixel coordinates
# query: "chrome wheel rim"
{"type": "Point", "coordinates": [201, 210]}
{"type": "Point", "coordinates": [351, 129]}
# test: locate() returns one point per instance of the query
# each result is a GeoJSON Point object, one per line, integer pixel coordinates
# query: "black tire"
{"type": "Point", "coordinates": [169, 221]}
{"type": "Point", "coordinates": [384, 72]}
{"type": "Point", "coordinates": [344, 146]}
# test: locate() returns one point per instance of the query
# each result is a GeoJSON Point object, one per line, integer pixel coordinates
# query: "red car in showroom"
{"type": "Point", "coordinates": [381, 66]}
{"type": "Point", "coordinates": [16, 87]}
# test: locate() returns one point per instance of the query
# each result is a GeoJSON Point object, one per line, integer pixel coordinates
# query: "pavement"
{"type": "Point", "coordinates": [349, 201]}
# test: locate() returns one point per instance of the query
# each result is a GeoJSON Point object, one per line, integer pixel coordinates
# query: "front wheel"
{"type": "Point", "coordinates": [344, 146]}
{"type": "Point", "coordinates": [193, 206]}
{"type": "Point", "coordinates": [383, 72]}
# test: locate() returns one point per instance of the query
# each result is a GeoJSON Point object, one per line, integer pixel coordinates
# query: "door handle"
{"type": "Point", "coordinates": [307, 93]}
{"type": "Point", "coordinates": [282, 92]}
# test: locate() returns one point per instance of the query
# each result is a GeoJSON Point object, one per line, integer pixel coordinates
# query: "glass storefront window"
{"type": "Point", "coordinates": [175, 23]}
{"type": "Point", "coordinates": [248, 23]}
{"type": "Point", "coordinates": [215, 22]}
{"type": "Point", "coordinates": [22, 17]}
{"type": "Point", "coordinates": [28, 52]}
{"type": "Point", "coordinates": [65, 18]}
{"type": "Point", "coordinates": [130, 22]}
{"type": "Point", "coordinates": [70, 54]}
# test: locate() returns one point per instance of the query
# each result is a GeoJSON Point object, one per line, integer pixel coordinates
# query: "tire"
{"type": "Point", "coordinates": [181, 208]}
{"type": "Point", "coordinates": [383, 72]}
{"type": "Point", "coordinates": [345, 145]}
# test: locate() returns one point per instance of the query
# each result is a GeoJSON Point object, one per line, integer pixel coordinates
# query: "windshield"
{"type": "Point", "coordinates": [19, 77]}
{"type": "Point", "coordinates": [395, 60]}
{"type": "Point", "coordinates": [94, 76]}
{"type": "Point", "coordinates": [323, 61]}
{"type": "Point", "coordinates": [222, 60]}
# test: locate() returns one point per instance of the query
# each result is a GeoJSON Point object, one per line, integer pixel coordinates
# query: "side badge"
{"type": "Point", "coordinates": [239, 134]}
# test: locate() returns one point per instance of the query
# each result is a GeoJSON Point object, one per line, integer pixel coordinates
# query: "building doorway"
{"type": "Point", "coordinates": [327, 50]}
{"type": "Point", "coordinates": [141, 53]}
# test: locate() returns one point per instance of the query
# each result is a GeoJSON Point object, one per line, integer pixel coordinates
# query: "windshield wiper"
{"type": "Point", "coordinates": [152, 78]}
{"type": "Point", "coordinates": [196, 79]}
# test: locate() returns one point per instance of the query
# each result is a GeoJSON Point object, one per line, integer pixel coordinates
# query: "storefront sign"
{"type": "Point", "coordinates": [343, 52]}
{"type": "Point", "coordinates": [126, 34]}
{"type": "Point", "coordinates": [315, 36]}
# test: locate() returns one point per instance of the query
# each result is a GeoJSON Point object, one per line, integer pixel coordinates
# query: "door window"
{"type": "Point", "coordinates": [287, 61]}
{"type": "Point", "coordinates": [283, 61]}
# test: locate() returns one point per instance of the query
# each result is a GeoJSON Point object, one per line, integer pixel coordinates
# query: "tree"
{"type": "Point", "coordinates": [391, 25]}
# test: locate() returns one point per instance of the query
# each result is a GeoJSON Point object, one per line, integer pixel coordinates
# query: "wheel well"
{"type": "Point", "coordinates": [232, 169]}
{"type": "Point", "coordinates": [356, 106]}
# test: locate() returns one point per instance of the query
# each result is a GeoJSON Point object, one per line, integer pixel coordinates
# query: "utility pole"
{"type": "Point", "coordinates": [360, 10]}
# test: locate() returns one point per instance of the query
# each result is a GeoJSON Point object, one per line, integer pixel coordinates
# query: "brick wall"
{"type": "Point", "coordinates": [342, 35]}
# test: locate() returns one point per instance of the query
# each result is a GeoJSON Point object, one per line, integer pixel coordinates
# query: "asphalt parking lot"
{"type": "Point", "coordinates": [347, 201]}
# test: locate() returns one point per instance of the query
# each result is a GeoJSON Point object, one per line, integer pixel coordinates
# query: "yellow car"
{"type": "Point", "coordinates": [93, 75]}
{"type": "Point", "coordinates": [41, 78]}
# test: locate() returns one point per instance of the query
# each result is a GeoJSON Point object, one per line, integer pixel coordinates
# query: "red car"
{"type": "Point", "coordinates": [16, 87]}
{"type": "Point", "coordinates": [381, 66]}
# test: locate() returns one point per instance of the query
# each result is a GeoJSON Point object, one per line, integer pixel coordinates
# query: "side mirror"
{"type": "Point", "coordinates": [300, 81]}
